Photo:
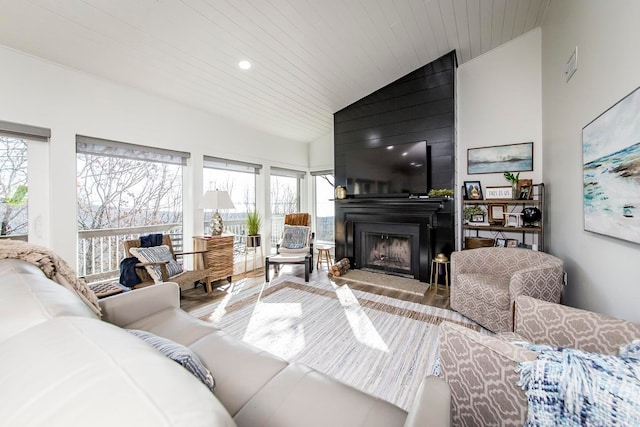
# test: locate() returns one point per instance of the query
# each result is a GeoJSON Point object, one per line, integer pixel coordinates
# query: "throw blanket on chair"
{"type": "Point", "coordinates": [568, 387]}
{"type": "Point", "coordinates": [54, 267]}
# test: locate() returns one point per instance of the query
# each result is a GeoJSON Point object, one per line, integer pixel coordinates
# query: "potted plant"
{"type": "Point", "coordinates": [441, 192]}
{"type": "Point", "coordinates": [254, 222]}
{"type": "Point", "coordinates": [513, 179]}
{"type": "Point", "coordinates": [471, 210]}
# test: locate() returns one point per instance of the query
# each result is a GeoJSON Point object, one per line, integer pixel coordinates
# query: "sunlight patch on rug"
{"type": "Point", "coordinates": [381, 345]}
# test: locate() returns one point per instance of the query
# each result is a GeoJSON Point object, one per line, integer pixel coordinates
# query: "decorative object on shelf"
{"type": "Point", "coordinates": [531, 215]}
{"type": "Point", "coordinates": [477, 218]}
{"type": "Point", "coordinates": [477, 242]}
{"type": "Point", "coordinates": [341, 192]}
{"type": "Point", "coordinates": [253, 223]}
{"type": "Point", "coordinates": [472, 210]}
{"type": "Point", "coordinates": [472, 190]}
{"type": "Point", "coordinates": [513, 179]}
{"type": "Point", "coordinates": [216, 200]}
{"type": "Point", "coordinates": [497, 158]}
{"type": "Point", "coordinates": [512, 243]}
{"type": "Point", "coordinates": [525, 189]}
{"type": "Point", "coordinates": [442, 192]}
{"type": "Point", "coordinates": [496, 212]}
{"type": "Point", "coordinates": [499, 192]}
{"type": "Point", "coordinates": [513, 219]}
{"type": "Point", "coordinates": [611, 156]}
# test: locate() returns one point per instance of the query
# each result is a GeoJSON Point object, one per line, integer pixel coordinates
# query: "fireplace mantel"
{"type": "Point", "coordinates": [423, 212]}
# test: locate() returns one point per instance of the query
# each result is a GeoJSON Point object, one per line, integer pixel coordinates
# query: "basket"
{"type": "Point", "coordinates": [477, 242]}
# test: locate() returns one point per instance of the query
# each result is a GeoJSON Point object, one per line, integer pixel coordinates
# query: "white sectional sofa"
{"type": "Point", "coordinates": [60, 365]}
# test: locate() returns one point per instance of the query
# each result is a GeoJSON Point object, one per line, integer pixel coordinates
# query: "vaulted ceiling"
{"type": "Point", "coordinates": [310, 58]}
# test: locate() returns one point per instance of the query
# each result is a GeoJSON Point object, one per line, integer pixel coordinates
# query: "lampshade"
{"type": "Point", "coordinates": [216, 200]}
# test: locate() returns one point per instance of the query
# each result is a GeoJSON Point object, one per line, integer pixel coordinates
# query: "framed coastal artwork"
{"type": "Point", "coordinates": [500, 158]}
{"type": "Point", "coordinates": [611, 170]}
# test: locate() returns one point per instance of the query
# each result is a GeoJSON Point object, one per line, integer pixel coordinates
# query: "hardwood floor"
{"type": "Point", "coordinates": [194, 298]}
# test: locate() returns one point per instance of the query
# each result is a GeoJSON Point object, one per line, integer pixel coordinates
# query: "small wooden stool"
{"type": "Point", "coordinates": [324, 254]}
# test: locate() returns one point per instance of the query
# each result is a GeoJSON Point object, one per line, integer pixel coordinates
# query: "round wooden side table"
{"type": "Point", "coordinates": [439, 260]}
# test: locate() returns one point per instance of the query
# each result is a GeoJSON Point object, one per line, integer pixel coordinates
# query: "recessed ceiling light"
{"type": "Point", "coordinates": [390, 147]}
{"type": "Point", "coordinates": [405, 153]}
{"type": "Point", "coordinates": [244, 65]}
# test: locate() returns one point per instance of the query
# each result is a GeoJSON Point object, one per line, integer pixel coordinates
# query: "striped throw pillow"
{"type": "Point", "coordinates": [178, 353]}
{"type": "Point", "coordinates": [157, 254]}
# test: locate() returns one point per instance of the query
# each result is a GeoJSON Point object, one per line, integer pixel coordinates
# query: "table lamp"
{"type": "Point", "coordinates": [216, 200]}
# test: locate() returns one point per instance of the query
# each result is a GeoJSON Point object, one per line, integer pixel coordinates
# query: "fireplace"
{"type": "Point", "coordinates": [388, 248]}
{"type": "Point", "coordinates": [383, 233]}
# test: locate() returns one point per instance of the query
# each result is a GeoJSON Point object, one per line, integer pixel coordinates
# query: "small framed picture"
{"type": "Point", "coordinates": [473, 190]}
{"type": "Point", "coordinates": [477, 218]}
{"type": "Point", "coordinates": [525, 189]}
{"type": "Point", "coordinates": [512, 243]}
{"type": "Point", "coordinates": [496, 212]}
{"type": "Point", "coordinates": [500, 243]}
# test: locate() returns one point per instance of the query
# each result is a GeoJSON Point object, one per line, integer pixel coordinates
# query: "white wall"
{"type": "Point", "coordinates": [498, 99]}
{"type": "Point", "coordinates": [321, 153]}
{"type": "Point", "coordinates": [41, 93]}
{"type": "Point", "coordinates": [602, 271]}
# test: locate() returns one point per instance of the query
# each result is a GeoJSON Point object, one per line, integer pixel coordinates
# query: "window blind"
{"type": "Point", "coordinates": [231, 165]}
{"type": "Point", "coordinates": [105, 147]}
{"type": "Point", "coordinates": [18, 130]}
{"type": "Point", "coordinates": [287, 172]}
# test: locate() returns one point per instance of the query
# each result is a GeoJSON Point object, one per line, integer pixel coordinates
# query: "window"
{"type": "Point", "coordinates": [13, 187]}
{"type": "Point", "coordinates": [124, 191]}
{"type": "Point", "coordinates": [285, 198]}
{"type": "Point", "coordinates": [239, 179]}
{"type": "Point", "coordinates": [14, 184]}
{"type": "Point", "coordinates": [324, 210]}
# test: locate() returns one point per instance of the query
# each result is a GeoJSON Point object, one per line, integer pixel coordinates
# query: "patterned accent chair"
{"type": "Point", "coordinates": [485, 283]}
{"type": "Point", "coordinates": [481, 369]}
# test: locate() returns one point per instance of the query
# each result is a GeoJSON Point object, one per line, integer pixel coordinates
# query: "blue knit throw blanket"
{"type": "Point", "coordinates": [567, 387]}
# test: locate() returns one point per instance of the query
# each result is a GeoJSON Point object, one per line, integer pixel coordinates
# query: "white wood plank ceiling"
{"type": "Point", "coordinates": [310, 58]}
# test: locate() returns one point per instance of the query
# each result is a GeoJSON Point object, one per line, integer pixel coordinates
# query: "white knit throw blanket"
{"type": "Point", "coordinates": [54, 267]}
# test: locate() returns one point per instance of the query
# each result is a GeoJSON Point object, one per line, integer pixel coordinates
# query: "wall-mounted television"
{"type": "Point", "coordinates": [388, 170]}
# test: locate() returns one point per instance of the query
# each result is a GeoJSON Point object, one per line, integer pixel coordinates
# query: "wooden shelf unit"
{"type": "Point", "coordinates": [514, 206]}
{"type": "Point", "coordinates": [220, 256]}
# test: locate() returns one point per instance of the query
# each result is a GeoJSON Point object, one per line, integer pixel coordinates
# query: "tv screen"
{"type": "Point", "coordinates": [397, 169]}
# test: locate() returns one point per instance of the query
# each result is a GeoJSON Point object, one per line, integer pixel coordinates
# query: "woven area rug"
{"type": "Point", "coordinates": [377, 344]}
{"type": "Point", "coordinates": [386, 281]}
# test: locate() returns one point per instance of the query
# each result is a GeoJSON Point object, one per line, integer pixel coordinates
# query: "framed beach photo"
{"type": "Point", "coordinates": [500, 158]}
{"type": "Point", "coordinates": [472, 190]}
{"type": "Point", "coordinates": [512, 243]}
{"type": "Point", "coordinates": [611, 167]}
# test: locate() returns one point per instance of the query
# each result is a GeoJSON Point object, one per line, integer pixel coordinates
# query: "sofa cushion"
{"type": "Point", "coordinates": [73, 370]}
{"type": "Point", "coordinates": [30, 298]}
{"type": "Point", "coordinates": [179, 354]}
{"type": "Point", "coordinates": [160, 253]}
{"type": "Point", "coordinates": [301, 396]}
{"type": "Point", "coordinates": [489, 288]}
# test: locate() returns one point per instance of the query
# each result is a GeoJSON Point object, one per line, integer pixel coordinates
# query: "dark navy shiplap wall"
{"type": "Point", "coordinates": [419, 106]}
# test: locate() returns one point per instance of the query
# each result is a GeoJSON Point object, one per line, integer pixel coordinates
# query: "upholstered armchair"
{"type": "Point", "coordinates": [481, 369]}
{"type": "Point", "coordinates": [485, 283]}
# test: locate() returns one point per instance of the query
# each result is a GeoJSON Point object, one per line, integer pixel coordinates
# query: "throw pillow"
{"type": "Point", "coordinates": [178, 353]}
{"type": "Point", "coordinates": [295, 236]}
{"type": "Point", "coordinates": [157, 254]}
